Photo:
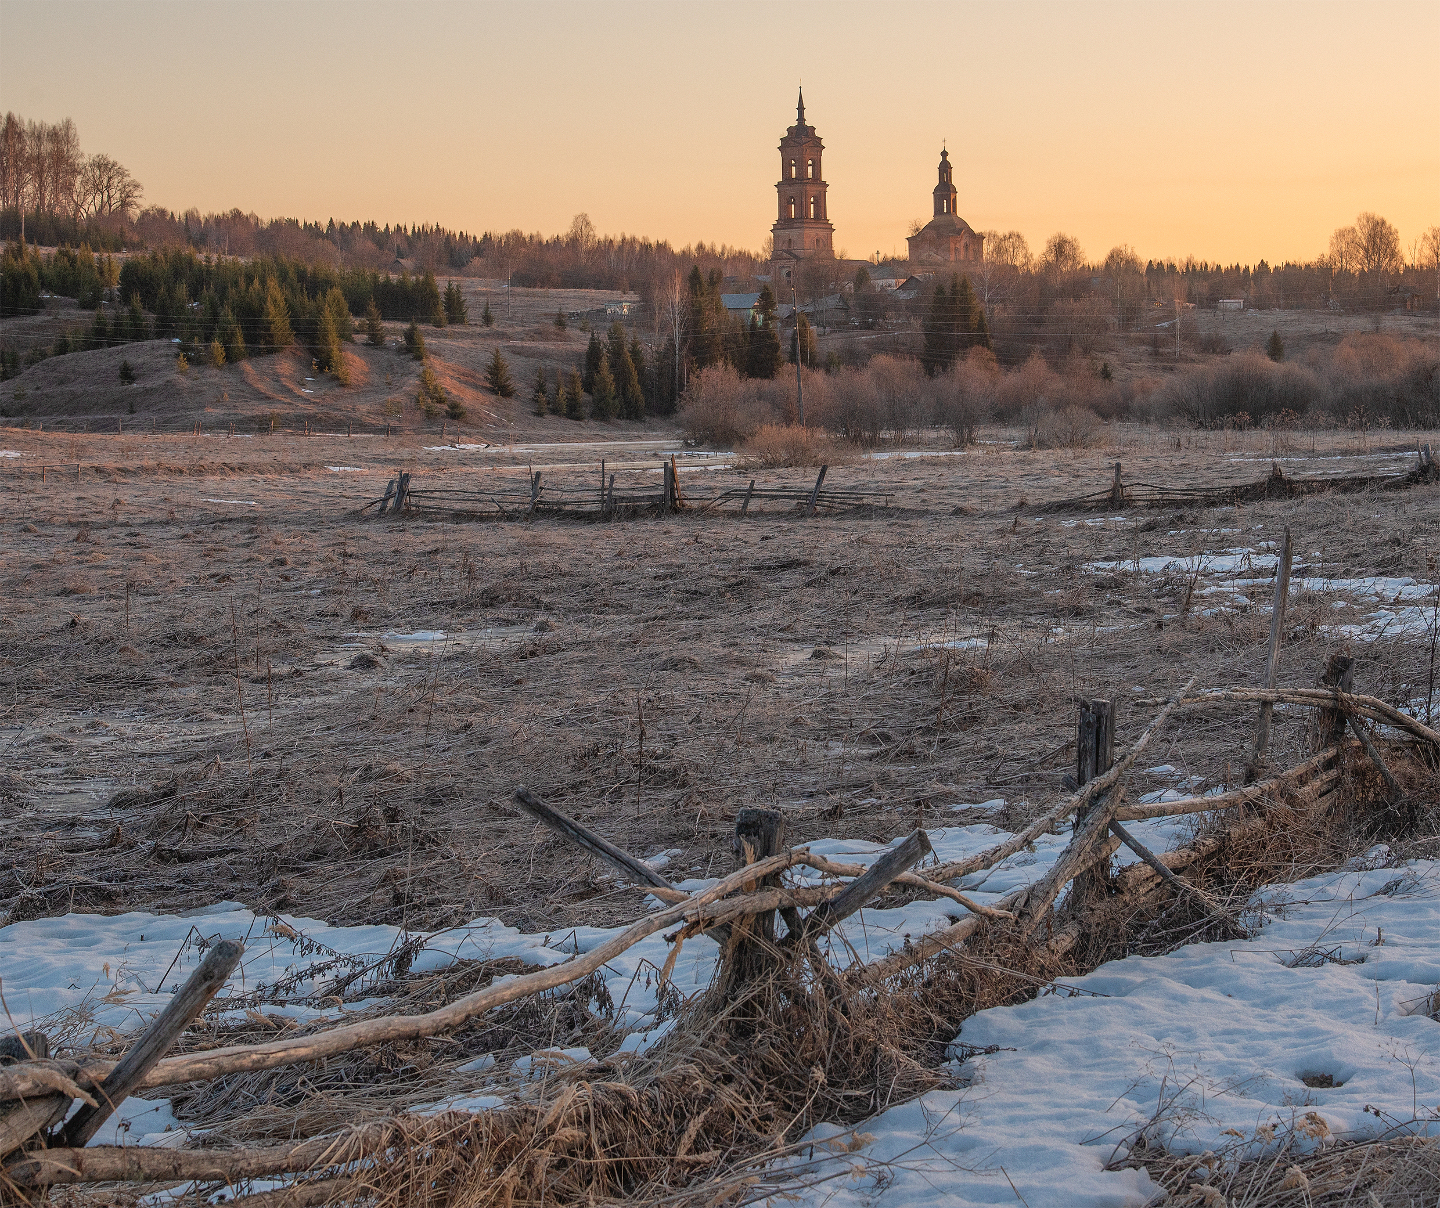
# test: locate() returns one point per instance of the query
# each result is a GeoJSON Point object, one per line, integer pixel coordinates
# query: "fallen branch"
{"type": "Point", "coordinates": [1161, 871]}
{"type": "Point", "coordinates": [1221, 801]}
{"type": "Point", "coordinates": [18, 1081]}
{"type": "Point", "coordinates": [873, 881]}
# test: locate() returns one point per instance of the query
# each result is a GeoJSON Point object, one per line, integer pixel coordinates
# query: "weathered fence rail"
{"type": "Point", "coordinates": [1275, 485]}
{"type": "Point", "coordinates": [539, 497]}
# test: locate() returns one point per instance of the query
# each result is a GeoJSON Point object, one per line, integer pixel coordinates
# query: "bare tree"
{"type": "Point", "coordinates": [1377, 245]}
{"type": "Point", "coordinates": [1429, 254]}
{"type": "Point", "coordinates": [1062, 256]}
{"type": "Point", "coordinates": [1009, 248]}
{"type": "Point", "coordinates": [14, 170]}
{"type": "Point", "coordinates": [108, 188]}
{"type": "Point", "coordinates": [672, 305]}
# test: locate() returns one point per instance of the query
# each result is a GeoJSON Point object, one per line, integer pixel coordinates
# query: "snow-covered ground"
{"type": "Point", "coordinates": [1204, 1049]}
{"type": "Point", "coordinates": [1209, 1044]}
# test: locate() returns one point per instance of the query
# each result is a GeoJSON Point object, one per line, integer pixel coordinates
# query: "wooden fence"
{"type": "Point", "coordinates": [609, 500]}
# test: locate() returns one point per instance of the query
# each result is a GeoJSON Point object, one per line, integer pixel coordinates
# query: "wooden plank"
{"type": "Point", "coordinates": [186, 1004]}
{"type": "Point", "coordinates": [815, 491]}
{"type": "Point", "coordinates": [879, 875]}
{"type": "Point", "coordinates": [596, 845]}
{"type": "Point", "coordinates": [1153, 860]}
{"type": "Point", "coordinates": [1256, 765]}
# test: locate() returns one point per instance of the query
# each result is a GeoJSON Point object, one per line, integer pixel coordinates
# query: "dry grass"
{"type": "Point", "coordinates": [790, 445]}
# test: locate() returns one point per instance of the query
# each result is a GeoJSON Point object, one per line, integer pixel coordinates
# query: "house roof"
{"type": "Point", "coordinates": [739, 301]}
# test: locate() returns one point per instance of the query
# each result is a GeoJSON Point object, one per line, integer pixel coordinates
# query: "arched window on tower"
{"type": "Point", "coordinates": [792, 207]}
{"type": "Point", "coordinates": [792, 169]}
{"type": "Point", "coordinates": [944, 205]}
{"type": "Point", "coordinates": [810, 169]}
{"type": "Point", "coordinates": [814, 207]}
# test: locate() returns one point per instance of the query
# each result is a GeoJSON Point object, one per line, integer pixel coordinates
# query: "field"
{"type": "Point", "coordinates": [221, 683]}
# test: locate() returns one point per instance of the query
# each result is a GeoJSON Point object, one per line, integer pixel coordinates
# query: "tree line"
{"type": "Point", "coordinates": [44, 175]}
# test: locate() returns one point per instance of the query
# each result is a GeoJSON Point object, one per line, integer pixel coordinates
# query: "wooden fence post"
{"type": "Point", "coordinates": [666, 493]}
{"type": "Point", "coordinates": [749, 491]}
{"type": "Point", "coordinates": [534, 493]}
{"type": "Point", "coordinates": [758, 835]}
{"type": "Point", "coordinates": [1094, 756]}
{"type": "Point", "coordinates": [1328, 725]}
{"type": "Point", "coordinates": [402, 488]}
{"type": "Point", "coordinates": [815, 492]}
{"type": "Point", "coordinates": [675, 482]}
{"type": "Point", "coordinates": [1272, 667]}
{"type": "Point", "coordinates": [1117, 490]}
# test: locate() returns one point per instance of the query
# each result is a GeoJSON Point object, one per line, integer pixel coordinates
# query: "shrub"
{"type": "Point", "coordinates": [775, 445]}
{"type": "Point", "coordinates": [1069, 427]}
{"type": "Point", "coordinates": [127, 373]}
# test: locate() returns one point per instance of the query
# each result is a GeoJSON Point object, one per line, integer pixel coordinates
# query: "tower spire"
{"type": "Point", "coordinates": [800, 107]}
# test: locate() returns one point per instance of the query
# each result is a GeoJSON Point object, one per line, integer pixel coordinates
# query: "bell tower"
{"type": "Point", "coordinates": [802, 229]}
{"type": "Point", "coordinates": [945, 195]}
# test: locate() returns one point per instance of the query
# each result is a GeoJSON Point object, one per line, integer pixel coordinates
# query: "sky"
{"type": "Point", "coordinates": [1229, 131]}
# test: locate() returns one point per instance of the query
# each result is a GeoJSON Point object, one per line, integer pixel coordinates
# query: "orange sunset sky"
{"type": "Point", "coordinates": [1230, 131]}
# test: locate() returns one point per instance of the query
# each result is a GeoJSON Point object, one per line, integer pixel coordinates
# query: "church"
{"type": "Point", "coordinates": [803, 230]}
{"type": "Point", "coordinates": [946, 238]}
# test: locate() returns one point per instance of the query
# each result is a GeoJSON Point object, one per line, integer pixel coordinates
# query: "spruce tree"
{"type": "Point", "coordinates": [497, 375]}
{"type": "Point", "coordinates": [278, 334]}
{"type": "Point", "coordinates": [415, 341]}
{"type": "Point", "coordinates": [487, 318]}
{"type": "Point", "coordinates": [455, 309]}
{"type": "Point", "coordinates": [593, 351]}
{"type": "Point", "coordinates": [217, 354]}
{"type": "Point", "coordinates": [602, 392]}
{"type": "Point", "coordinates": [374, 329]}
{"type": "Point", "coordinates": [1275, 346]}
{"type": "Point", "coordinates": [539, 395]}
{"type": "Point", "coordinates": [431, 394]}
{"type": "Point", "coordinates": [574, 396]}
{"type": "Point", "coordinates": [560, 323]}
{"type": "Point", "coordinates": [557, 396]}
{"type": "Point", "coordinates": [339, 311]}
{"type": "Point", "coordinates": [127, 374]}
{"type": "Point", "coordinates": [763, 350]}
{"type": "Point", "coordinates": [642, 371]}
{"type": "Point", "coordinates": [629, 396]}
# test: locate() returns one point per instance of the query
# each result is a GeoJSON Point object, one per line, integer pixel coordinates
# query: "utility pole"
{"type": "Point", "coordinates": [795, 314]}
{"type": "Point", "coordinates": [1177, 331]}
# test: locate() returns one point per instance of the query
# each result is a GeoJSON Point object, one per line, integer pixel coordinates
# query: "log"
{"type": "Point", "coordinates": [597, 845]}
{"type": "Point", "coordinates": [1321, 697]}
{"type": "Point", "coordinates": [1272, 664]}
{"type": "Point", "coordinates": [877, 877]}
{"type": "Point", "coordinates": [1223, 801]}
{"type": "Point", "coordinates": [1153, 861]}
{"type": "Point", "coordinates": [931, 945]}
{"type": "Point", "coordinates": [821, 864]}
{"type": "Point", "coordinates": [199, 988]}
{"type": "Point", "coordinates": [135, 1163]}
{"type": "Point", "coordinates": [20, 1080]}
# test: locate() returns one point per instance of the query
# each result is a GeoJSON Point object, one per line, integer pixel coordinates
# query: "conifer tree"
{"type": "Point", "coordinates": [539, 395]}
{"type": "Point", "coordinates": [278, 334]}
{"type": "Point", "coordinates": [487, 318]}
{"type": "Point", "coordinates": [642, 372]}
{"type": "Point", "coordinates": [430, 395]}
{"type": "Point", "coordinates": [763, 350]}
{"type": "Point", "coordinates": [497, 375]}
{"type": "Point", "coordinates": [231, 336]}
{"type": "Point", "coordinates": [415, 341]}
{"type": "Point", "coordinates": [455, 309]}
{"type": "Point", "coordinates": [1275, 346]}
{"type": "Point", "coordinates": [374, 329]}
{"type": "Point", "coordinates": [557, 396]}
{"type": "Point", "coordinates": [217, 354]}
{"type": "Point", "coordinates": [593, 351]}
{"type": "Point", "coordinates": [339, 311]}
{"type": "Point", "coordinates": [574, 396]}
{"type": "Point", "coordinates": [628, 394]}
{"type": "Point", "coordinates": [602, 393]}
{"type": "Point", "coordinates": [127, 374]}
{"type": "Point", "coordinates": [560, 324]}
